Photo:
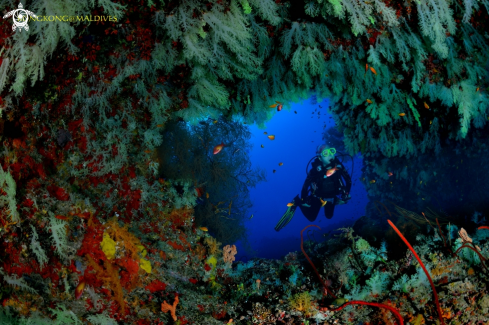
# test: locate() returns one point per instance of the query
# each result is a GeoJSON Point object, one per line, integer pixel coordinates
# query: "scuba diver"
{"type": "Point", "coordinates": [321, 187]}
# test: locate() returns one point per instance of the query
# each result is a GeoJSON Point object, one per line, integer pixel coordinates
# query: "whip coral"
{"type": "Point", "coordinates": [424, 269]}
{"type": "Point", "coordinates": [310, 262]}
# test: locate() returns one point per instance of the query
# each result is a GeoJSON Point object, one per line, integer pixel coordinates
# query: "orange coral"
{"type": "Point", "coordinates": [179, 216]}
{"type": "Point", "coordinates": [122, 235]}
{"type": "Point", "coordinates": [229, 252]}
{"type": "Point", "coordinates": [172, 308]}
{"type": "Point", "coordinates": [213, 245]}
{"type": "Point", "coordinates": [183, 239]}
{"type": "Point", "coordinates": [199, 251]}
{"type": "Point", "coordinates": [110, 276]}
{"type": "Point", "coordinates": [115, 285]}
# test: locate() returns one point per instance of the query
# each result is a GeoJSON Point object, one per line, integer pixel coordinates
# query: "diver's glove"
{"type": "Point", "coordinates": [345, 197]}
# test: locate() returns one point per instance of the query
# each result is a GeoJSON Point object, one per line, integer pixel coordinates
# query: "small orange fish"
{"type": "Point", "coordinates": [372, 181]}
{"type": "Point", "coordinates": [271, 137]}
{"type": "Point", "coordinates": [204, 229]}
{"type": "Point", "coordinates": [160, 125]}
{"type": "Point", "coordinates": [369, 101]}
{"type": "Point", "coordinates": [331, 171]}
{"type": "Point", "coordinates": [366, 68]}
{"type": "Point", "coordinates": [431, 122]}
{"type": "Point", "coordinates": [426, 105]}
{"type": "Point", "coordinates": [290, 204]}
{"type": "Point", "coordinates": [265, 132]}
{"type": "Point", "coordinates": [280, 164]}
{"type": "Point", "coordinates": [107, 81]}
{"type": "Point", "coordinates": [262, 146]}
{"type": "Point", "coordinates": [214, 122]}
{"type": "Point", "coordinates": [373, 70]}
{"type": "Point", "coordinates": [402, 114]}
{"type": "Point", "coordinates": [390, 174]}
{"type": "Point", "coordinates": [147, 151]}
{"type": "Point", "coordinates": [323, 203]}
{"type": "Point", "coordinates": [79, 289]}
{"type": "Point", "coordinates": [61, 217]}
{"type": "Point", "coordinates": [274, 171]}
{"type": "Point", "coordinates": [279, 104]}
{"type": "Point", "coordinates": [206, 195]}
{"type": "Point", "coordinates": [218, 148]}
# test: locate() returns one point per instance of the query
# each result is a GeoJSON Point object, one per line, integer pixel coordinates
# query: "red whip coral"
{"type": "Point", "coordinates": [424, 269]}
{"type": "Point", "coordinates": [374, 304]}
{"type": "Point", "coordinates": [310, 262]}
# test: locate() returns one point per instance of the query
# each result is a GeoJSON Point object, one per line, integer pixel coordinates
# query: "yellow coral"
{"type": "Point", "coordinates": [142, 249]}
{"type": "Point", "coordinates": [124, 237]}
{"type": "Point", "coordinates": [212, 261]}
{"type": "Point", "coordinates": [108, 246]}
{"type": "Point", "coordinates": [213, 245]}
{"type": "Point", "coordinates": [145, 265]}
{"type": "Point", "coordinates": [302, 302]}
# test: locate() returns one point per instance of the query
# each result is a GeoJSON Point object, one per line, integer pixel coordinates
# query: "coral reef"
{"type": "Point", "coordinates": [113, 204]}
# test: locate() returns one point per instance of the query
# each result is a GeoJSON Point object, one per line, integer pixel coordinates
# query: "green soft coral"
{"type": "Point", "coordinates": [246, 6]}
{"type": "Point", "coordinates": [415, 111]}
{"type": "Point", "coordinates": [7, 184]}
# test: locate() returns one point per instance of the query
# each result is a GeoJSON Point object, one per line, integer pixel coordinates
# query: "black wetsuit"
{"type": "Point", "coordinates": [327, 188]}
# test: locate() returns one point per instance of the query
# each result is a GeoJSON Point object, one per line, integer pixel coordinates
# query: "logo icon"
{"type": "Point", "coordinates": [20, 17]}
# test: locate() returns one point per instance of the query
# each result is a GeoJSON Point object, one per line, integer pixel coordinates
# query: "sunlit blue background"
{"type": "Point", "coordinates": [296, 139]}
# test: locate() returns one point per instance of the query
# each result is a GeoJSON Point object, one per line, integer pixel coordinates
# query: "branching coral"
{"type": "Point", "coordinates": [228, 253]}
{"type": "Point", "coordinates": [165, 307]}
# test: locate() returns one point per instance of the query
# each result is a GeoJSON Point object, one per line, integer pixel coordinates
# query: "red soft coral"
{"type": "Point", "coordinates": [155, 286]}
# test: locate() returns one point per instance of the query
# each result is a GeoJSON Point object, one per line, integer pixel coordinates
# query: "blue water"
{"type": "Point", "coordinates": [296, 139]}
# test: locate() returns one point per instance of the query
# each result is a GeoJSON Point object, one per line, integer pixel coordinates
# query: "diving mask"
{"type": "Point", "coordinates": [328, 151]}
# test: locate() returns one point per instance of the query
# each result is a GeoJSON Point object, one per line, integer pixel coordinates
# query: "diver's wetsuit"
{"type": "Point", "coordinates": [327, 188]}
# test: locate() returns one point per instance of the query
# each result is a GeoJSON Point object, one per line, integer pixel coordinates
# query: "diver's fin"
{"type": "Point", "coordinates": [289, 214]}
